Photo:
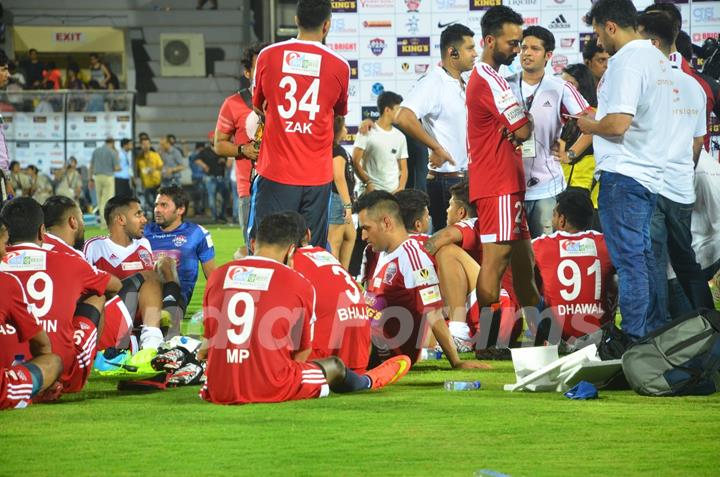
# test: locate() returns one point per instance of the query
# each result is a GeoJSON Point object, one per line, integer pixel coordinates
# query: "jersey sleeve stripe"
{"type": "Point", "coordinates": [498, 79]}
{"type": "Point", "coordinates": [412, 255]}
{"type": "Point", "coordinates": [578, 97]}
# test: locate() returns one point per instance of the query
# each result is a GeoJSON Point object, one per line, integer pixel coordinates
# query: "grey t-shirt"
{"type": "Point", "coordinates": [104, 161]}
{"type": "Point", "coordinates": [171, 158]}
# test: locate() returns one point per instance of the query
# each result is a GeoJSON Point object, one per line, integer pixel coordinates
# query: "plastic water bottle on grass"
{"type": "Point", "coordinates": [430, 354]}
{"type": "Point", "coordinates": [462, 385]}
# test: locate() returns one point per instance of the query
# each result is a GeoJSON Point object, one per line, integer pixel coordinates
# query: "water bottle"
{"type": "Point", "coordinates": [430, 354]}
{"type": "Point", "coordinates": [19, 359]}
{"type": "Point", "coordinates": [462, 385]}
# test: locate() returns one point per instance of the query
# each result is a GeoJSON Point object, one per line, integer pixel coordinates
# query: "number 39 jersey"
{"type": "Point", "coordinates": [576, 275]}
{"type": "Point", "coordinates": [257, 312]}
{"type": "Point", "coordinates": [305, 85]}
{"type": "Point", "coordinates": [53, 283]}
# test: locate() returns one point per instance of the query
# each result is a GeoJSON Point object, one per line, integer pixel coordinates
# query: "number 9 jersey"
{"type": "Point", "coordinates": [301, 86]}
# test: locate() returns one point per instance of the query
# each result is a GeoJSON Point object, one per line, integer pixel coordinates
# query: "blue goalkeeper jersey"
{"type": "Point", "coordinates": [189, 244]}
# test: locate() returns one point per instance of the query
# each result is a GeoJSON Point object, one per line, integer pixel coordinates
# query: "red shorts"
{"type": "Point", "coordinates": [117, 325]}
{"type": "Point", "coordinates": [502, 219]}
{"type": "Point", "coordinates": [16, 385]}
{"type": "Point", "coordinates": [85, 341]}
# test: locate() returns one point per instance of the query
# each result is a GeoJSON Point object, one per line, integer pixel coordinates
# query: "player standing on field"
{"type": "Point", "coordinates": [300, 86]}
{"type": "Point", "coordinates": [497, 124]}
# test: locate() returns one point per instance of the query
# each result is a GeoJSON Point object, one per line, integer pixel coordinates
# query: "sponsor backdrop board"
{"type": "Point", "coordinates": [392, 43]}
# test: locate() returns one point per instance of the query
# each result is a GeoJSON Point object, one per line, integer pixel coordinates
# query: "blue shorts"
{"type": "Point", "coordinates": [336, 211]}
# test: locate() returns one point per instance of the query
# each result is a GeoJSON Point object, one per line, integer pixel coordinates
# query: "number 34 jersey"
{"type": "Point", "coordinates": [577, 279]}
{"type": "Point", "coordinates": [301, 86]}
{"type": "Point", "coordinates": [53, 283]}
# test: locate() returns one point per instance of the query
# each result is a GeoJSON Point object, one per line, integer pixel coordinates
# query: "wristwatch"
{"type": "Point", "coordinates": [571, 155]}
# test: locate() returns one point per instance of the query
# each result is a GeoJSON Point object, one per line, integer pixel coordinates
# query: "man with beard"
{"type": "Point", "coordinates": [497, 125]}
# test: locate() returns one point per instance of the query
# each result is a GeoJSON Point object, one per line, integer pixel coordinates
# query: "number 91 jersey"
{"type": "Point", "coordinates": [577, 276]}
{"type": "Point", "coordinates": [301, 86]}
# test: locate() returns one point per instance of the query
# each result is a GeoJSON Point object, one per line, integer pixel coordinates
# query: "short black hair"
{"type": "Point", "coordinates": [116, 205]}
{"type": "Point", "coordinates": [171, 138]}
{"type": "Point", "coordinates": [31, 50]}
{"type": "Point", "coordinates": [125, 141]}
{"type": "Point", "coordinates": [413, 203]}
{"type": "Point", "coordinates": [57, 208]}
{"type": "Point", "coordinates": [24, 217]}
{"type": "Point", "coordinates": [591, 49]}
{"type": "Point", "coordinates": [4, 61]}
{"type": "Point", "coordinates": [142, 135]}
{"type": "Point", "coordinates": [461, 193]}
{"type": "Point", "coordinates": [670, 9]}
{"type": "Point", "coordinates": [311, 14]}
{"type": "Point", "coordinates": [621, 12]}
{"type": "Point", "coordinates": [13, 164]}
{"type": "Point", "coordinates": [454, 35]}
{"type": "Point", "coordinates": [658, 25]}
{"type": "Point", "coordinates": [684, 45]}
{"type": "Point", "coordinates": [542, 34]}
{"type": "Point", "coordinates": [388, 99]}
{"type": "Point", "coordinates": [279, 229]}
{"type": "Point", "coordinates": [493, 20]}
{"type": "Point", "coordinates": [379, 199]}
{"type": "Point", "coordinates": [575, 204]}
{"type": "Point", "coordinates": [250, 52]}
{"type": "Point", "coordinates": [177, 194]}
{"type": "Point", "coordinates": [586, 82]}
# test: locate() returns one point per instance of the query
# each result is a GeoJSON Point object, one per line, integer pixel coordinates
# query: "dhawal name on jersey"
{"type": "Point", "coordinates": [23, 261]}
{"type": "Point", "coordinates": [580, 309]}
{"type": "Point", "coordinates": [301, 63]}
{"type": "Point", "coordinates": [585, 247]}
{"type": "Point", "coordinates": [248, 278]}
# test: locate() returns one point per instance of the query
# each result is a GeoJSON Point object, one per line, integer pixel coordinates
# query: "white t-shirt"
{"type": "Point", "coordinates": [638, 82]}
{"type": "Point", "coordinates": [438, 100]}
{"type": "Point", "coordinates": [382, 151]}
{"type": "Point", "coordinates": [551, 98]}
{"type": "Point", "coordinates": [688, 118]}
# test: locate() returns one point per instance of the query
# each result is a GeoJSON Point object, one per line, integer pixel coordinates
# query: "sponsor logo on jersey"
{"type": "Point", "coordinates": [377, 46]}
{"type": "Point", "coordinates": [321, 259]}
{"type": "Point", "coordinates": [390, 273]}
{"type": "Point", "coordinates": [131, 266]}
{"type": "Point", "coordinates": [301, 63]}
{"type": "Point", "coordinates": [179, 240]}
{"type": "Point", "coordinates": [145, 257]}
{"type": "Point", "coordinates": [23, 260]}
{"type": "Point", "coordinates": [430, 295]}
{"type": "Point", "coordinates": [514, 114]}
{"type": "Point", "coordinates": [413, 46]}
{"type": "Point", "coordinates": [424, 276]}
{"type": "Point", "coordinates": [344, 6]}
{"type": "Point", "coordinates": [584, 247]}
{"type": "Point", "coordinates": [484, 4]}
{"type": "Point", "coordinates": [248, 278]}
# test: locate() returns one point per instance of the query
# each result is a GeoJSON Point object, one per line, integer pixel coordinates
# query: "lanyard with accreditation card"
{"type": "Point", "coordinates": [529, 146]}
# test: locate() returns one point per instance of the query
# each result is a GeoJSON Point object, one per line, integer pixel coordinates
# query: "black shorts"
{"type": "Point", "coordinates": [270, 197]}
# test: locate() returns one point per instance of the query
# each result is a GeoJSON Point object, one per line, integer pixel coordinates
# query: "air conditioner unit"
{"type": "Point", "coordinates": [182, 54]}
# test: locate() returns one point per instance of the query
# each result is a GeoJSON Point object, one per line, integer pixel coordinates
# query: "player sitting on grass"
{"type": "Point", "coordinates": [188, 244]}
{"type": "Point", "coordinates": [20, 382]}
{"type": "Point", "coordinates": [342, 326]}
{"type": "Point", "coordinates": [54, 283]}
{"type": "Point", "coordinates": [575, 274]}
{"type": "Point", "coordinates": [403, 288]}
{"type": "Point", "coordinates": [257, 326]}
{"type": "Point", "coordinates": [458, 252]}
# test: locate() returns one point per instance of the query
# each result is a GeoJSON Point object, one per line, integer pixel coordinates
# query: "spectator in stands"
{"type": "Point", "coordinates": [174, 143]}
{"type": "Point", "coordinates": [124, 175]}
{"type": "Point", "coordinates": [95, 100]}
{"type": "Point", "coordinates": [595, 58]}
{"type": "Point", "coordinates": [214, 167]}
{"type": "Point", "coordinates": [73, 80]}
{"type": "Point", "coordinates": [99, 71]}
{"type": "Point", "coordinates": [16, 75]}
{"type": "Point", "coordinates": [173, 163]}
{"type": "Point", "coordinates": [199, 195]}
{"type": "Point", "coordinates": [33, 70]}
{"type": "Point", "coordinates": [43, 105]}
{"type": "Point", "coordinates": [149, 166]}
{"type": "Point", "coordinates": [19, 180]}
{"type": "Point", "coordinates": [40, 185]}
{"type": "Point", "coordinates": [68, 181]}
{"type": "Point", "coordinates": [52, 76]}
{"type": "Point", "coordinates": [116, 101]}
{"type": "Point", "coordinates": [104, 164]}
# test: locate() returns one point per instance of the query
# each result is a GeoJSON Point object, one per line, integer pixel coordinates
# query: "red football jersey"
{"type": "Point", "coordinates": [53, 283]}
{"type": "Point", "coordinates": [403, 288]}
{"type": "Point", "coordinates": [117, 260]}
{"type": "Point", "coordinates": [342, 328]}
{"type": "Point", "coordinates": [495, 168]}
{"type": "Point", "coordinates": [256, 313]}
{"type": "Point", "coordinates": [17, 323]}
{"type": "Point", "coordinates": [305, 85]}
{"type": "Point", "coordinates": [576, 274]}
{"type": "Point", "coordinates": [52, 242]}
{"type": "Point", "coordinates": [238, 119]}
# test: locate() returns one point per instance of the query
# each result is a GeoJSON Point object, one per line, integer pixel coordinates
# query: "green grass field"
{"type": "Point", "coordinates": [413, 428]}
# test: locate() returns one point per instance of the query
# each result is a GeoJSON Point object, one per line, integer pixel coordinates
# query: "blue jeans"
{"type": "Point", "coordinates": [438, 189]}
{"type": "Point", "coordinates": [214, 186]}
{"type": "Point", "coordinates": [671, 237]}
{"type": "Point", "coordinates": [539, 215]}
{"type": "Point", "coordinates": [626, 209]}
